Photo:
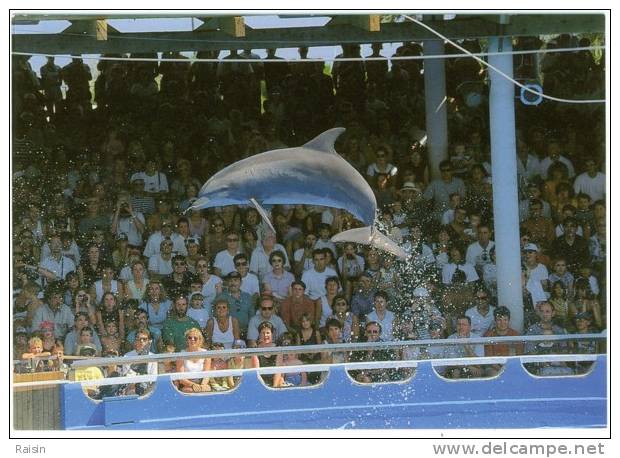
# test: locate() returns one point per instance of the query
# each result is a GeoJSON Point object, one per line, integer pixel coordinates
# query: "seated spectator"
{"type": "Point", "coordinates": [560, 273]}
{"type": "Point", "coordinates": [128, 221]}
{"type": "Point", "coordinates": [156, 303]}
{"type": "Point", "coordinates": [135, 288]}
{"type": "Point", "coordinates": [265, 340]}
{"type": "Point", "coordinates": [222, 328]}
{"type": "Point", "coordinates": [583, 323]}
{"type": "Point", "coordinates": [249, 281]}
{"type": "Point", "coordinates": [141, 343]}
{"type": "Point", "coordinates": [56, 266]}
{"type": "Point", "coordinates": [196, 310]}
{"type": "Point", "coordinates": [142, 324]}
{"type": "Point", "coordinates": [478, 252]}
{"type": "Point", "coordinates": [568, 211]}
{"type": "Point", "coordinates": [212, 285]}
{"type": "Point", "coordinates": [481, 315]}
{"type": "Point", "coordinates": [372, 332]}
{"type": "Point", "coordinates": [363, 298]}
{"type": "Point", "coordinates": [140, 200]}
{"type": "Point", "coordinates": [291, 359]}
{"type": "Point", "coordinates": [535, 271]}
{"type": "Point", "coordinates": [554, 156]}
{"type": "Point", "coordinates": [349, 322]}
{"type": "Point", "coordinates": [571, 246]}
{"type": "Point", "coordinates": [264, 314]}
{"type": "Point", "coordinates": [586, 302]}
{"type": "Point", "coordinates": [160, 264]}
{"type": "Point", "coordinates": [439, 190]}
{"type": "Point", "coordinates": [332, 288]}
{"type": "Point", "coordinates": [546, 327]}
{"type": "Point", "coordinates": [561, 303]}
{"type": "Point", "coordinates": [383, 316]}
{"type": "Point", "coordinates": [463, 331]}
{"type": "Point", "coordinates": [240, 303]}
{"type": "Point", "coordinates": [35, 350]}
{"type": "Point", "coordinates": [224, 260]}
{"type": "Point", "coordinates": [175, 327]}
{"type": "Point", "coordinates": [457, 263]}
{"type": "Point", "coordinates": [109, 310]}
{"type": "Point", "coordinates": [106, 284]}
{"type": "Point", "coordinates": [298, 304]}
{"type": "Point", "coordinates": [315, 277]}
{"type": "Point", "coordinates": [155, 182]}
{"type": "Point", "coordinates": [279, 280]}
{"type": "Point", "coordinates": [153, 244]}
{"type": "Point", "coordinates": [55, 311]}
{"type": "Point", "coordinates": [591, 182]}
{"type": "Point", "coordinates": [259, 262]}
{"type": "Point", "coordinates": [303, 256]}
{"type": "Point", "coordinates": [194, 343]}
{"type": "Point", "coordinates": [540, 227]}
{"type": "Point", "coordinates": [180, 280]}
{"type": "Point", "coordinates": [111, 340]}
{"type": "Point", "coordinates": [219, 364]}
{"type": "Point", "coordinates": [500, 328]}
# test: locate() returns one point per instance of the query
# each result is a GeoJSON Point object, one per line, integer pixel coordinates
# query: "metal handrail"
{"type": "Point", "coordinates": [333, 348]}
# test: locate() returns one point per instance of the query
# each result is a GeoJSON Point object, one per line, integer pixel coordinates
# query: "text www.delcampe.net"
{"type": "Point", "coordinates": [506, 448]}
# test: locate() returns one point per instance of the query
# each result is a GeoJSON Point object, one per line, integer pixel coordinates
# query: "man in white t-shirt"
{"type": "Point", "coordinates": [155, 182]}
{"type": "Point", "coordinates": [315, 277]}
{"type": "Point", "coordinates": [478, 253]}
{"type": "Point", "coordinates": [249, 281]}
{"type": "Point", "coordinates": [224, 261]}
{"type": "Point", "coordinates": [591, 182]}
{"type": "Point", "coordinates": [535, 271]}
{"type": "Point", "coordinates": [55, 266]}
{"type": "Point", "coordinates": [160, 264]}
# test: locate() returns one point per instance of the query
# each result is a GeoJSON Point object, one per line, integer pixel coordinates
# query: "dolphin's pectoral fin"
{"type": "Point", "coordinates": [325, 141]}
{"type": "Point", "coordinates": [262, 212]}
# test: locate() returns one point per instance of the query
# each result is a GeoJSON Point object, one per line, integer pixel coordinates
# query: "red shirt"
{"type": "Point", "coordinates": [503, 349]}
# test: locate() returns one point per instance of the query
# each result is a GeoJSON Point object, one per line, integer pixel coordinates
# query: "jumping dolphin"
{"type": "Point", "coordinates": [313, 174]}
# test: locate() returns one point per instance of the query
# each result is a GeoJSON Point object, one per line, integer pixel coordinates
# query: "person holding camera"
{"type": "Point", "coordinates": [127, 221]}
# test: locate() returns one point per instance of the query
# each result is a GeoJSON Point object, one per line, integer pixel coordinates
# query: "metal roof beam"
{"type": "Point", "coordinates": [475, 27]}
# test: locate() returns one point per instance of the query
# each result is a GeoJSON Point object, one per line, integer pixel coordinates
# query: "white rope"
{"type": "Point", "coordinates": [513, 81]}
{"type": "Point", "coordinates": [313, 59]}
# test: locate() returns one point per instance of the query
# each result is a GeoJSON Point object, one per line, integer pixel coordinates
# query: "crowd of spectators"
{"type": "Point", "coordinates": [107, 262]}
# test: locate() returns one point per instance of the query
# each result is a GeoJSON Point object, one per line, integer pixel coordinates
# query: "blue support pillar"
{"type": "Point", "coordinates": [436, 106]}
{"type": "Point", "coordinates": [504, 169]}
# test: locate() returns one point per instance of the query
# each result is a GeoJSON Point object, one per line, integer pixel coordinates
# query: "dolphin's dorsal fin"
{"type": "Point", "coordinates": [325, 141]}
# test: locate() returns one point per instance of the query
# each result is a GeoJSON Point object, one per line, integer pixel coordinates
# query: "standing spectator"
{"type": "Point", "coordinates": [50, 82]}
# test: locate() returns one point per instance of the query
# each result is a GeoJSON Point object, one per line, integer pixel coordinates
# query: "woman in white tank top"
{"type": "Point", "coordinates": [195, 342]}
{"type": "Point", "coordinates": [222, 328]}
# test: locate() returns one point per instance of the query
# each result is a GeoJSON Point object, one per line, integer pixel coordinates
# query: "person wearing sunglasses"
{"type": "Point", "coordinates": [481, 314]}
{"type": "Point", "coordinates": [265, 313]}
{"type": "Point", "coordinates": [249, 281]}
{"type": "Point", "coordinates": [195, 343]}
{"type": "Point", "coordinates": [141, 347]}
{"type": "Point", "coordinates": [224, 261]}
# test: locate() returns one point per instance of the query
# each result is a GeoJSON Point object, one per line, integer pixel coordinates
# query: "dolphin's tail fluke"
{"type": "Point", "coordinates": [263, 213]}
{"type": "Point", "coordinates": [368, 236]}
